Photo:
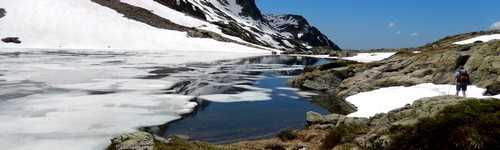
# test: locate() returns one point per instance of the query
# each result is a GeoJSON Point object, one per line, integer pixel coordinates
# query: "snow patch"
{"type": "Point", "coordinates": [483, 38]}
{"type": "Point", "coordinates": [386, 99]}
{"type": "Point", "coordinates": [369, 57]}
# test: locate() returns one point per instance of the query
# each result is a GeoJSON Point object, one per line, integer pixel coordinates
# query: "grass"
{"type": "Point", "coordinates": [473, 124]}
{"type": "Point", "coordinates": [179, 144]}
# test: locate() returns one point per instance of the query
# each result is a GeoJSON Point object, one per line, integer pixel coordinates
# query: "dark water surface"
{"type": "Point", "coordinates": [229, 122]}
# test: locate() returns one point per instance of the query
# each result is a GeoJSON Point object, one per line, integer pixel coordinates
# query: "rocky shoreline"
{"type": "Point", "coordinates": [332, 131]}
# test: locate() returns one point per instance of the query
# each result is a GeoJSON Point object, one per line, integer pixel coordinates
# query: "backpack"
{"type": "Point", "coordinates": [463, 77]}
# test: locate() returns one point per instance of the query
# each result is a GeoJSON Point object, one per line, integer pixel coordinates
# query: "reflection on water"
{"type": "Point", "coordinates": [229, 122]}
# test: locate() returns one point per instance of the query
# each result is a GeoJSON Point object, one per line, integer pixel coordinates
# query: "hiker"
{"type": "Point", "coordinates": [462, 80]}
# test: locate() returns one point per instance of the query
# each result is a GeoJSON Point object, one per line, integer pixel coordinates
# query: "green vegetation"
{"type": "Point", "coordinates": [343, 134]}
{"type": "Point", "coordinates": [287, 135]}
{"type": "Point", "coordinates": [179, 144]}
{"type": "Point", "coordinates": [472, 124]}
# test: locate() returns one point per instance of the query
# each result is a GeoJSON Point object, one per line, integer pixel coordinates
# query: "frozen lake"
{"type": "Point", "coordinates": [74, 99]}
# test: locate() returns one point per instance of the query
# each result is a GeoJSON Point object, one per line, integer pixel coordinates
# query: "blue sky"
{"type": "Point", "coordinates": [365, 24]}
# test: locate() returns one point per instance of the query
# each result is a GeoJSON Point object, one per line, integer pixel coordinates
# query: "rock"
{"type": "Point", "coordinates": [433, 65]}
{"type": "Point", "coordinates": [334, 119]}
{"type": "Point", "coordinates": [314, 117]}
{"type": "Point", "coordinates": [170, 70]}
{"type": "Point", "coordinates": [492, 89]}
{"type": "Point", "coordinates": [2, 12]}
{"type": "Point", "coordinates": [318, 85]}
{"type": "Point", "coordinates": [347, 146]}
{"type": "Point", "coordinates": [11, 40]}
{"type": "Point", "coordinates": [133, 141]}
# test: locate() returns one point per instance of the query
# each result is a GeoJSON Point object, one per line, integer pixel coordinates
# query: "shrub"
{"type": "Point", "coordinates": [287, 135]}
{"type": "Point", "coordinates": [472, 124]}
{"type": "Point", "coordinates": [341, 134]}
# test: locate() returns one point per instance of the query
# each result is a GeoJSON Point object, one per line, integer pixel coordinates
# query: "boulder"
{"type": "Point", "coordinates": [492, 89]}
{"type": "Point", "coordinates": [314, 117]}
{"type": "Point", "coordinates": [2, 12]}
{"type": "Point", "coordinates": [11, 40]}
{"type": "Point", "coordinates": [334, 119]}
{"type": "Point", "coordinates": [133, 141]}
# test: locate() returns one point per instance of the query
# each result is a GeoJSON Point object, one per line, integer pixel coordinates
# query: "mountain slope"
{"type": "Point", "coordinates": [298, 28]}
{"type": "Point", "coordinates": [146, 24]}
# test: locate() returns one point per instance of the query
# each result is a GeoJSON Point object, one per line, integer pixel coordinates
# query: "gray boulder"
{"type": "Point", "coordinates": [334, 119]}
{"type": "Point", "coordinates": [133, 141]}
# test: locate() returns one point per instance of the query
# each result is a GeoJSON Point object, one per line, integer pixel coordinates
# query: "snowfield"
{"type": "Point", "coordinates": [483, 38]}
{"type": "Point", "coordinates": [360, 57]}
{"type": "Point", "coordinates": [386, 99]}
{"type": "Point", "coordinates": [369, 57]}
{"type": "Point", "coordinates": [80, 24]}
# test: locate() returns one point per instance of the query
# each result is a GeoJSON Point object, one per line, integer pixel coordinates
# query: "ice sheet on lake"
{"type": "Point", "coordinates": [48, 121]}
{"type": "Point", "coordinates": [240, 97]}
{"type": "Point", "coordinates": [386, 99]}
{"type": "Point", "coordinates": [75, 99]}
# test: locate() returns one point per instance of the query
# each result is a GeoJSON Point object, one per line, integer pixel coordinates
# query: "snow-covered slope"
{"type": "Point", "coordinates": [81, 24]}
{"type": "Point", "coordinates": [228, 25]}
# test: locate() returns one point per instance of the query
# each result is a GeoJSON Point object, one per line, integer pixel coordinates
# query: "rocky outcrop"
{"type": "Point", "coordinates": [185, 7]}
{"type": "Point", "coordinates": [2, 12]}
{"type": "Point", "coordinates": [314, 118]}
{"type": "Point", "coordinates": [250, 9]}
{"type": "Point", "coordinates": [130, 141]}
{"type": "Point", "coordinates": [324, 77]}
{"type": "Point", "coordinates": [435, 63]}
{"type": "Point", "coordinates": [147, 141]}
{"type": "Point", "coordinates": [14, 40]}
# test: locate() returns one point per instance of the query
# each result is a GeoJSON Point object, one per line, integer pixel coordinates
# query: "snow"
{"type": "Point", "coordinates": [370, 57]}
{"type": "Point", "coordinates": [360, 57]}
{"type": "Point", "coordinates": [45, 99]}
{"type": "Point", "coordinates": [386, 99]}
{"type": "Point", "coordinates": [281, 20]}
{"type": "Point", "coordinates": [483, 38]}
{"type": "Point", "coordinates": [240, 97]}
{"type": "Point", "coordinates": [82, 24]}
{"type": "Point", "coordinates": [230, 10]}
{"type": "Point", "coordinates": [179, 17]}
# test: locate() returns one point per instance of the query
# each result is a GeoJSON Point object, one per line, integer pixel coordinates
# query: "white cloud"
{"type": "Point", "coordinates": [415, 34]}
{"type": "Point", "coordinates": [391, 24]}
{"type": "Point", "coordinates": [495, 26]}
